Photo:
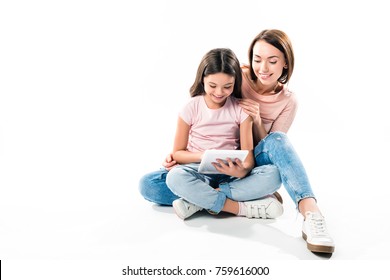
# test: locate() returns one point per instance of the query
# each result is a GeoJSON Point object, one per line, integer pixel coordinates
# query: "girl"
{"type": "Point", "coordinates": [213, 119]}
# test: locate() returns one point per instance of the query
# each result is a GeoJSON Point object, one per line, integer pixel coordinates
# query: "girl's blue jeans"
{"type": "Point", "coordinates": [276, 162]}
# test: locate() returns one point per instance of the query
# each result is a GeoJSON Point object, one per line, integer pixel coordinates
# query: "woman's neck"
{"type": "Point", "coordinates": [267, 90]}
{"type": "Point", "coordinates": [260, 88]}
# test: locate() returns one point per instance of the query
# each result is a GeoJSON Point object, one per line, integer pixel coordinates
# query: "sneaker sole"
{"type": "Point", "coordinates": [317, 248]}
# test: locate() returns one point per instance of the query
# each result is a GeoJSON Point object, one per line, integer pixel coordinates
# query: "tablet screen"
{"type": "Point", "coordinates": [210, 156]}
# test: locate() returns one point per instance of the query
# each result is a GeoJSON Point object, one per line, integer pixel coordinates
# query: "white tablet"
{"type": "Point", "coordinates": [210, 156]}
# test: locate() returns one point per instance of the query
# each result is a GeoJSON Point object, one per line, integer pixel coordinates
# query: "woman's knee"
{"type": "Point", "coordinates": [272, 140]}
{"type": "Point", "coordinates": [277, 136]}
{"type": "Point", "coordinates": [275, 141]}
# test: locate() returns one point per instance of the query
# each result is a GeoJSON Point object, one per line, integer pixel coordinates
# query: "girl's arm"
{"type": "Point", "coordinates": [259, 131]}
{"type": "Point", "coordinates": [237, 168]}
{"type": "Point", "coordinates": [246, 142]}
{"type": "Point", "coordinates": [180, 153]}
{"type": "Point", "coordinates": [169, 162]}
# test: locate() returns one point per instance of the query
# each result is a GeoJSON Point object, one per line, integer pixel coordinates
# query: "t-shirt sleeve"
{"type": "Point", "coordinates": [188, 112]}
{"type": "Point", "coordinates": [242, 116]}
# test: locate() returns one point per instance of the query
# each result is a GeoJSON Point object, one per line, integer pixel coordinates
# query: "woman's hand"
{"type": "Point", "coordinates": [252, 108]}
{"type": "Point", "coordinates": [232, 168]}
{"type": "Point", "coordinates": [169, 163]}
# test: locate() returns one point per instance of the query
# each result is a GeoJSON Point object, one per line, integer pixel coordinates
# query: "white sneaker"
{"type": "Point", "coordinates": [185, 209]}
{"type": "Point", "coordinates": [265, 208]}
{"type": "Point", "coordinates": [315, 233]}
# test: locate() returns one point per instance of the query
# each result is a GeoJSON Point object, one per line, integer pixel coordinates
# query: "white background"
{"type": "Point", "coordinates": [89, 94]}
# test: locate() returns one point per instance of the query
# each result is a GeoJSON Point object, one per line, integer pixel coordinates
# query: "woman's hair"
{"type": "Point", "coordinates": [220, 60]}
{"type": "Point", "coordinates": [279, 40]}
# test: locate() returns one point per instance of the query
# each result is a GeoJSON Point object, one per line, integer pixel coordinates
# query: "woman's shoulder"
{"type": "Point", "coordinates": [245, 70]}
{"type": "Point", "coordinates": [287, 92]}
{"type": "Point", "coordinates": [288, 95]}
{"type": "Point", "coordinates": [245, 66]}
{"type": "Point", "coordinates": [247, 82]}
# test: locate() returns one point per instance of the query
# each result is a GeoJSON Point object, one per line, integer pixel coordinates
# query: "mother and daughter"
{"type": "Point", "coordinates": [245, 107]}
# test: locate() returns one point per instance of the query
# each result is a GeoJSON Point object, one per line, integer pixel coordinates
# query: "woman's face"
{"type": "Point", "coordinates": [267, 62]}
{"type": "Point", "coordinates": [218, 87]}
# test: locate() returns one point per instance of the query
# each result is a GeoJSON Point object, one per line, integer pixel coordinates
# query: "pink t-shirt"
{"type": "Point", "coordinates": [213, 128]}
{"type": "Point", "coordinates": [277, 111]}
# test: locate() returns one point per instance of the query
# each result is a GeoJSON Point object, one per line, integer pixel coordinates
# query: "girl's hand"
{"type": "Point", "coordinates": [252, 108]}
{"type": "Point", "coordinates": [232, 168]}
{"type": "Point", "coordinates": [169, 163]}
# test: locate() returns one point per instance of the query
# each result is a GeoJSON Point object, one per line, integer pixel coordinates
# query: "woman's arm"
{"type": "Point", "coordinates": [285, 119]}
{"type": "Point", "coordinates": [252, 108]}
{"type": "Point", "coordinates": [180, 153]}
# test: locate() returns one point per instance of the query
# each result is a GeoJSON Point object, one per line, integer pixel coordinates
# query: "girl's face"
{"type": "Point", "coordinates": [268, 62]}
{"type": "Point", "coordinates": [218, 87]}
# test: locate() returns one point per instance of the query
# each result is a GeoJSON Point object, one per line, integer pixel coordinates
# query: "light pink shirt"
{"type": "Point", "coordinates": [213, 128]}
{"type": "Point", "coordinates": [277, 111]}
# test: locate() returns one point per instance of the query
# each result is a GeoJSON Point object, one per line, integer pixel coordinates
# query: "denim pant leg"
{"type": "Point", "coordinates": [276, 149]}
{"type": "Point", "coordinates": [261, 181]}
{"type": "Point", "coordinates": [153, 187]}
{"type": "Point", "coordinates": [186, 182]}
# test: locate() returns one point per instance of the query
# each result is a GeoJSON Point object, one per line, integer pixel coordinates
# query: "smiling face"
{"type": "Point", "coordinates": [267, 62]}
{"type": "Point", "coordinates": [218, 87]}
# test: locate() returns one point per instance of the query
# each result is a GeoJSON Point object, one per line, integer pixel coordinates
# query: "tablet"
{"type": "Point", "coordinates": [210, 156]}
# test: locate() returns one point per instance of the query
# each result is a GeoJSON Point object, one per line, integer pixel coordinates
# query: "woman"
{"type": "Point", "coordinates": [272, 107]}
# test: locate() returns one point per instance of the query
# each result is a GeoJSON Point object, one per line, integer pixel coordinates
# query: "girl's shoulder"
{"type": "Point", "coordinates": [234, 102]}
{"type": "Point", "coordinates": [195, 102]}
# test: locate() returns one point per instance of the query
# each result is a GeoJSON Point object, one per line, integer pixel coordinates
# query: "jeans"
{"type": "Point", "coordinates": [199, 189]}
{"type": "Point", "coordinates": [152, 187]}
{"type": "Point", "coordinates": [277, 149]}
{"type": "Point", "coordinates": [274, 149]}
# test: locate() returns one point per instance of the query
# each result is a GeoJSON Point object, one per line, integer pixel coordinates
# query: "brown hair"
{"type": "Point", "coordinates": [279, 40]}
{"type": "Point", "coordinates": [220, 60]}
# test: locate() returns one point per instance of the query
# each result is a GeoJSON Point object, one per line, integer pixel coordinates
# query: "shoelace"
{"type": "Point", "coordinates": [317, 225]}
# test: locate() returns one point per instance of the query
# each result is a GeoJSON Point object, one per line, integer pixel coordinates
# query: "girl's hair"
{"type": "Point", "coordinates": [220, 60]}
{"type": "Point", "coordinates": [279, 40]}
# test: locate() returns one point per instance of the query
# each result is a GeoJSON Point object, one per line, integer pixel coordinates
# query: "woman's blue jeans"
{"type": "Point", "coordinates": [275, 150]}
